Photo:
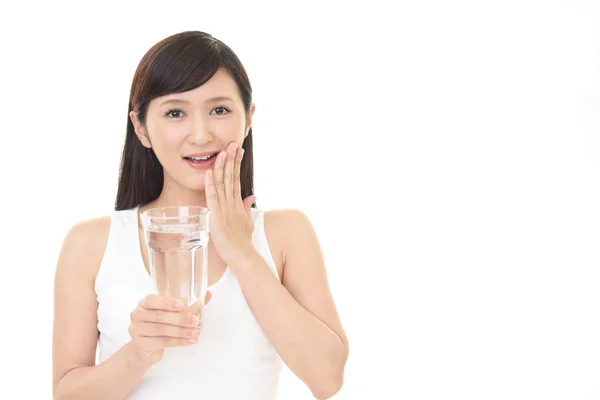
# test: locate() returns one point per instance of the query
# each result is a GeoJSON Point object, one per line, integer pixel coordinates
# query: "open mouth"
{"type": "Point", "coordinates": [201, 160]}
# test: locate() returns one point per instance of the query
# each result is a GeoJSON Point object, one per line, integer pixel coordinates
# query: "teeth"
{"type": "Point", "coordinates": [200, 158]}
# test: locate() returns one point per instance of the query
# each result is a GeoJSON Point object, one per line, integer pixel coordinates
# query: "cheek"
{"type": "Point", "coordinates": [172, 140]}
{"type": "Point", "coordinates": [230, 131]}
{"type": "Point", "coordinates": [166, 143]}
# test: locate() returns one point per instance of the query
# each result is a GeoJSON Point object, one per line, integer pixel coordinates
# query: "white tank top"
{"type": "Point", "coordinates": [232, 359]}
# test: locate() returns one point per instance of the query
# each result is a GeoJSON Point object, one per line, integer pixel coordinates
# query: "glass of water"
{"type": "Point", "coordinates": [177, 239]}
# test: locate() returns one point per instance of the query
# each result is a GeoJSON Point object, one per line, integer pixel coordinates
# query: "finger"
{"type": "Point", "coordinates": [237, 188]}
{"type": "Point", "coordinates": [197, 307]}
{"type": "Point", "coordinates": [212, 199]}
{"type": "Point", "coordinates": [149, 329]}
{"type": "Point", "coordinates": [165, 317]}
{"type": "Point", "coordinates": [156, 302]}
{"type": "Point", "coordinates": [230, 171]}
{"type": "Point", "coordinates": [154, 344]}
{"type": "Point", "coordinates": [218, 178]}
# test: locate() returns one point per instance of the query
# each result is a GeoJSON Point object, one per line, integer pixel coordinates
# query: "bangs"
{"type": "Point", "coordinates": [179, 67]}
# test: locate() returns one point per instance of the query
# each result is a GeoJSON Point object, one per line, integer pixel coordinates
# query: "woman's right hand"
{"type": "Point", "coordinates": [159, 322]}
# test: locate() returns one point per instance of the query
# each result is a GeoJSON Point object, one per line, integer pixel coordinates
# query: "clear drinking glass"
{"type": "Point", "coordinates": [177, 239]}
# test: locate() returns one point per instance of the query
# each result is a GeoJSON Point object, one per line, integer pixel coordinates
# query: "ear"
{"type": "Point", "coordinates": [249, 120]}
{"type": "Point", "coordinates": [140, 131]}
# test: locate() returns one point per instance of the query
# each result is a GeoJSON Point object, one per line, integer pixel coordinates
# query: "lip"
{"type": "Point", "coordinates": [208, 153]}
{"type": "Point", "coordinates": [202, 166]}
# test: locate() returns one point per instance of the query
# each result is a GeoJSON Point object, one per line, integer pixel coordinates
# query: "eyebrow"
{"type": "Point", "coordinates": [211, 100]}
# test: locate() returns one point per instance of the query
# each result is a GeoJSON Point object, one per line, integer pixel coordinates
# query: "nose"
{"type": "Point", "coordinates": [199, 132]}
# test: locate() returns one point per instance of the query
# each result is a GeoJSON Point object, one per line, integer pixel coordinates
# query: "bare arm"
{"type": "Point", "coordinates": [75, 334]}
{"type": "Point", "coordinates": [156, 323]}
{"type": "Point", "coordinates": [299, 317]}
{"type": "Point", "coordinates": [112, 379]}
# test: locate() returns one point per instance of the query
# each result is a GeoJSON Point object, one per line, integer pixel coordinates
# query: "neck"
{"type": "Point", "coordinates": [175, 195]}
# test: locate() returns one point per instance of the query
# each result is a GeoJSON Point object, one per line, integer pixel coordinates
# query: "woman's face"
{"type": "Point", "coordinates": [183, 127]}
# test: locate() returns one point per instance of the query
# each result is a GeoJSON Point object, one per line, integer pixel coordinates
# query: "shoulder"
{"type": "Point", "coordinates": [86, 234]}
{"type": "Point", "coordinates": [75, 333]}
{"type": "Point", "coordinates": [286, 220]}
{"type": "Point", "coordinates": [286, 227]}
{"type": "Point", "coordinates": [83, 246]}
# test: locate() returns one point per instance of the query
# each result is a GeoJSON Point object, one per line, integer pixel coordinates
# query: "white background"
{"type": "Point", "coordinates": [447, 153]}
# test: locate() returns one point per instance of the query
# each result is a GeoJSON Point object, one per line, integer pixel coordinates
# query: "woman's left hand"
{"type": "Point", "coordinates": [231, 224]}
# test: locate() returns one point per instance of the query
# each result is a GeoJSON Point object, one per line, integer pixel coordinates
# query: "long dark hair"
{"type": "Point", "coordinates": [176, 64]}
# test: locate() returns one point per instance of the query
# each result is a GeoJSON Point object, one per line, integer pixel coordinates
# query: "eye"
{"type": "Point", "coordinates": [175, 113]}
{"type": "Point", "coordinates": [221, 110]}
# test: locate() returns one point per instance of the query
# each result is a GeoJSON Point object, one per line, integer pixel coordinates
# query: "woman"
{"type": "Point", "coordinates": [269, 298]}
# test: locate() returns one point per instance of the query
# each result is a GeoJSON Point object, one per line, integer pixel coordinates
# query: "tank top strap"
{"type": "Point", "coordinates": [122, 256]}
{"type": "Point", "coordinates": [122, 248]}
{"type": "Point", "coordinates": [260, 242]}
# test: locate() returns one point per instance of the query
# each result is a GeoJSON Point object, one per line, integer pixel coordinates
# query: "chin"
{"type": "Point", "coordinates": [194, 186]}
{"type": "Point", "coordinates": [188, 181]}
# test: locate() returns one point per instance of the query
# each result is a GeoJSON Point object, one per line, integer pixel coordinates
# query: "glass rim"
{"type": "Point", "coordinates": [200, 211]}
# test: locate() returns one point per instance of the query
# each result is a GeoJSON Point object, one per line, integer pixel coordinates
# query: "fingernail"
{"type": "Point", "coordinates": [195, 320]}
{"type": "Point", "coordinates": [195, 332]}
{"type": "Point", "coordinates": [179, 305]}
{"type": "Point", "coordinates": [192, 340]}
